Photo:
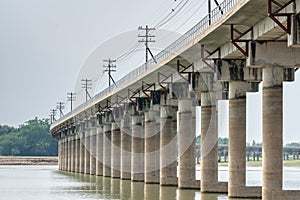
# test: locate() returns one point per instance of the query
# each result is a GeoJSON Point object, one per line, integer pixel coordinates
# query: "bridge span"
{"type": "Point", "coordinates": [140, 128]}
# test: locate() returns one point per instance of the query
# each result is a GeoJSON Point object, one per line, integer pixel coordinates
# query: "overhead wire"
{"type": "Point", "coordinates": [177, 9]}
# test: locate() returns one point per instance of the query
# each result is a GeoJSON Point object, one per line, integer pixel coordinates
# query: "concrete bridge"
{"type": "Point", "coordinates": [141, 127]}
{"type": "Point", "coordinates": [253, 153]}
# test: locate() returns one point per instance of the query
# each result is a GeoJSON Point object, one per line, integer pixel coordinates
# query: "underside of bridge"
{"type": "Point", "coordinates": [143, 128]}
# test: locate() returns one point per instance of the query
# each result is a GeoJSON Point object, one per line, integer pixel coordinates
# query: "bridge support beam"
{"type": "Point", "coordinates": [115, 149]}
{"type": "Point", "coordinates": [77, 151]}
{"type": "Point", "coordinates": [152, 153]}
{"type": "Point", "coordinates": [186, 137]}
{"type": "Point", "coordinates": [93, 141]}
{"type": "Point", "coordinates": [82, 148]}
{"type": "Point", "coordinates": [73, 149]}
{"type": "Point", "coordinates": [59, 153]}
{"type": "Point", "coordinates": [168, 145]}
{"type": "Point", "coordinates": [99, 151]}
{"type": "Point", "coordinates": [69, 151]}
{"type": "Point", "coordinates": [241, 80]}
{"type": "Point", "coordinates": [204, 83]}
{"type": "Point", "coordinates": [272, 133]}
{"type": "Point", "coordinates": [137, 148]}
{"type": "Point", "coordinates": [126, 143]}
{"type": "Point", "coordinates": [87, 157]}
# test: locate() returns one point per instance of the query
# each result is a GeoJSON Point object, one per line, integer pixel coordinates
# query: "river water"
{"type": "Point", "coordinates": [47, 183]}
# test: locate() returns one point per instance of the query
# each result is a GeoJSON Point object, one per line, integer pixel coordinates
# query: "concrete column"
{"type": "Point", "coordinates": [168, 145]}
{"type": "Point", "coordinates": [186, 145]}
{"type": "Point", "coordinates": [115, 150]}
{"type": "Point", "coordinates": [77, 153]}
{"type": "Point", "coordinates": [73, 153]}
{"type": "Point", "coordinates": [87, 152]}
{"type": "Point", "coordinates": [107, 150]}
{"type": "Point", "coordinates": [237, 137]}
{"type": "Point", "coordinates": [125, 148]}
{"type": "Point", "coordinates": [272, 130]}
{"type": "Point", "coordinates": [137, 149]}
{"type": "Point", "coordinates": [93, 150]}
{"type": "Point", "coordinates": [59, 154]}
{"type": "Point", "coordinates": [69, 153]}
{"type": "Point", "coordinates": [209, 145]}
{"type": "Point", "coordinates": [152, 152]}
{"type": "Point", "coordinates": [82, 150]}
{"type": "Point", "coordinates": [99, 151]}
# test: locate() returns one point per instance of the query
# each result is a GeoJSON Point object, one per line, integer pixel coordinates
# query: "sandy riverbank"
{"type": "Point", "coordinates": [10, 160]}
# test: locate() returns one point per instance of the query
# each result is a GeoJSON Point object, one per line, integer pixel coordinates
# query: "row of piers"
{"type": "Point", "coordinates": [152, 138]}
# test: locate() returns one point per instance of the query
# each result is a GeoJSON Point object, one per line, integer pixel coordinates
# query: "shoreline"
{"type": "Point", "coordinates": [28, 160]}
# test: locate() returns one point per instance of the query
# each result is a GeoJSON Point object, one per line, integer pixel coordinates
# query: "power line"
{"type": "Point", "coordinates": [110, 67]}
{"type": "Point", "coordinates": [174, 11]}
{"type": "Point", "coordinates": [60, 106]}
{"type": "Point", "coordinates": [146, 39]}
{"type": "Point", "coordinates": [86, 85]}
{"type": "Point", "coordinates": [71, 97]}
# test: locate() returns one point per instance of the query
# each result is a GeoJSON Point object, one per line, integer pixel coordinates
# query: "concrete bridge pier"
{"type": "Point", "coordinates": [73, 149]}
{"type": "Point", "coordinates": [137, 148]}
{"type": "Point", "coordinates": [77, 151]}
{"type": "Point", "coordinates": [60, 150]}
{"type": "Point", "coordinates": [186, 137]}
{"type": "Point", "coordinates": [115, 150]}
{"type": "Point", "coordinates": [107, 146]}
{"type": "Point", "coordinates": [272, 56]}
{"type": "Point", "coordinates": [272, 130]}
{"type": "Point", "coordinates": [87, 148]}
{"type": "Point", "coordinates": [168, 145]}
{"type": "Point", "coordinates": [152, 137]}
{"type": "Point", "coordinates": [93, 129]}
{"type": "Point", "coordinates": [69, 151]}
{"type": "Point", "coordinates": [241, 80]}
{"type": "Point", "coordinates": [82, 147]}
{"type": "Point", "coordinates": [237, 142]}
{"type": "Point", "coordinates": [99, 150]}
{"type": "Point", "coordinates": [126, 143]}
{"type": "Point", "coordinates": [204, 84]}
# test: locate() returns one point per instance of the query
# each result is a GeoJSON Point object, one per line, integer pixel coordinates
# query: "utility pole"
{"type": "Point", "coordinates": [110, 67]}
{"type": "Point", "coordinates": [60, 106]}
{"type": "Point", "coordinates": [146, 39]}
{"type": "Point", "coordinates": [86, 85]}
{"type": "Point", "coordinates": [71, 97]}
{"type": "Point", "coordinates": [52, 115]}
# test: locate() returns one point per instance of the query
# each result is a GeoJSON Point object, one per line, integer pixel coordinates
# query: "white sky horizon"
{"type": "Point", "coordinates": [43, 45]}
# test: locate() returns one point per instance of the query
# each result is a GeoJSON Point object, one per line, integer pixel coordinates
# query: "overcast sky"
{"type": "Point", "coordinates": [44, 43]}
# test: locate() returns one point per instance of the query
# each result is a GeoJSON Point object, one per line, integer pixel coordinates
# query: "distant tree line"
{"type": "Point", "coordinates": [30, 139]}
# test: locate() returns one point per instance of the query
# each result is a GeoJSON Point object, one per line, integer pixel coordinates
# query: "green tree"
{"type": "Point", "coordinates": [30, 139]}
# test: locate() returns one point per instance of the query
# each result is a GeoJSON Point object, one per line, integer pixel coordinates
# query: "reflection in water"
{"type": "Point", "coordinates": [47, 183]}
{"type": "Point", "coordinates": [184, 194]}
{"type": "Point", "coordinates": [137, 190]}
{"type": "Point", "coordinates": [115, 188]}
{"type": "Point", "coordinates": [125, 189]}
{"type": "Point", "coordinates": [167, 193]}
{"type": "Point", "coordinates": [151, 191]}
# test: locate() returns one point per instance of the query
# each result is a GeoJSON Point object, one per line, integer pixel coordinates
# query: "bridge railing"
{"type": "Point", "coordinates": [190, 35]}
